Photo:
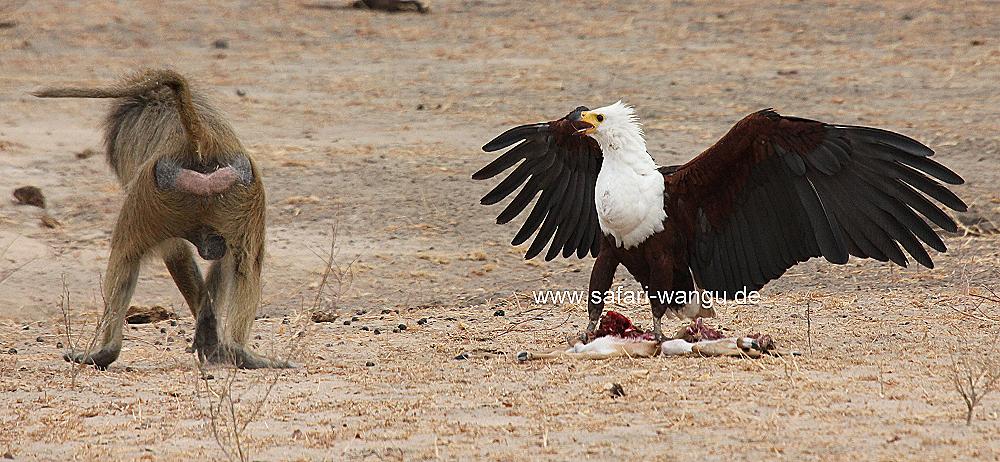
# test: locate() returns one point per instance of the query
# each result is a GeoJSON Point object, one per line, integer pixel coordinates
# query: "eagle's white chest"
{"type": "Point", "coordinates": [629, 201]}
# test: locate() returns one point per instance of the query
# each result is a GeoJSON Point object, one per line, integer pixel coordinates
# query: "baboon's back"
{"type": "Point", "coordinates": [149, 126]}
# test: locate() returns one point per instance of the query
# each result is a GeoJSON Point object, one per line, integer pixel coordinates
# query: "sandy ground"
{"type": "Point", "coordinates": [371, 123]}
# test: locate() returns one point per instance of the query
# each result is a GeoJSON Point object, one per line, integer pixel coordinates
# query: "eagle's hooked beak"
{"type": "Point", "coordinates": [588, 122]}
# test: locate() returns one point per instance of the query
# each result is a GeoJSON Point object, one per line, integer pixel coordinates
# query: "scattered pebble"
{"type": "Point", "coordinates": [163, 330]}
{"type": "Point", "coordinates": [354, 318]}
{"type": "Point", "coordinates": [240, 92]}
{"type": "Point", "coordinates": [364, 327]}
{"type": "Point", "coordinates": [462, 356]}
{"type": "Point", "coordinates": [59, 344]}
{"type": "Point", "coordinates": [221, 44]}
{"type": "Point", "coordinates": [86, 154]}
{"type": "Point", "coordinates": [29, 195]}
{"type": "Point", "coordinates": [370, 364]}
{"type": "Point", "coordinates": [377, 331]}
{"type": "Point", "coordinates": [26, 327]}
{"type": "Point", "coordinates": [386, 311]}
{"type": "Point", "coordinates": [395, 331]}
{"type": "Point", "coordinates": [616, 390]}
{"type": "Point", "coordinates": [499, 313]}
{"type": "Point", "coordinates": [173, 322]}
{"type": "Point", "coordinates": [347, 323]}
{"type": "Point", "coordinates": [322, 316]}
{"type": "Point", "coordinates": [129, 369]}
{"type": "Point", "coordinates": [421, 321]}
{"type": "Point", "coordinates": [12, 351]}
{"type": "Point", "coordinates": [401, 327]}
{"type": "Point", "coordinates": [40, 339]}
{"type": "Point", "coordinates": [138, 314]}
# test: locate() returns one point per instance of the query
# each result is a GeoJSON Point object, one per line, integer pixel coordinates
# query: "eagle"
{"type": "Point", "coordinates": [773, 192]}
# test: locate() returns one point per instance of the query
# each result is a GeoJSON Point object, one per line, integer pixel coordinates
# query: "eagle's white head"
{"type": "Point", "coordinates": [617, 129]}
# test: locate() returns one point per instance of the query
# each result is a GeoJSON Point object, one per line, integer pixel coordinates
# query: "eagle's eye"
{"type": "Point", "coordinates": [600, 117]}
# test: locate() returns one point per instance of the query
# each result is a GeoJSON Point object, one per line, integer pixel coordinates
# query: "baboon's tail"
{"type": "Point", "coordinates": [141, 83]}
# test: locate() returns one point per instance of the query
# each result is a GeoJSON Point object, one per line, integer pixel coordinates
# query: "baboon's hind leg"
{"type": "Point", "coordinates": [184, 270]}
{"type": "Point", "coordinates": [238, 285]}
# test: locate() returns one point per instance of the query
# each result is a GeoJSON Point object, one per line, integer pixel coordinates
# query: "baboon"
{"type": "Point", "coordinates": [185, 176]}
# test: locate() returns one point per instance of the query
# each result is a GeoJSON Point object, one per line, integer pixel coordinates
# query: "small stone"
{"type": "Point", "coordinates": [499, 313]}
{"type": "Point", "coordinates": [59, 344]}
{"type": "Point", "coordinates": [173, 322]}
{"type": "Point", "coordinates": [8, 455]}
{"type": "Point", "coordinates": [240, 92]}
{"type": "Point", "coordinates": [370, 364]}
{"type": "Point", "coordinates": [616, 390]}
{"type": "Point", "coordinates": [180, 332]}
{"type": "Point", "coordinates": [138, 314]}
{"type": "Point", "coordinates": [402, 326]}
{"type": "Point", "coordinates": [421, 321]}
{"type": "Point", "coordinates": [386, 311]}
{"type": "Point", "coordinates": [377, 331]}
{"type": "Point", "coordinates": [395, 331]}
{"type": "Point", "coordinates": [129, 369]}
{"type": "Point", "coordinates": [40, 339]}
{"type": "Point", "coordinates": [285, 320]}
{"type": "Point", "coordinates": [355, 318]}
{"type": "Point", "coordinates": [29, 195]}
{"type": "Point", "coordinates": [157, 343]}
{"type": "Point", "coordinates": [26, 327]}
{"type": "Point", "coordinates": [364, 328]}
{"type": "Point", "coordinates": [163, 330]}
{"type": "Point", "coordinates": [221, 44]}
{"type": "Point", "coordinates": [347, 323]}
{"type": "Point", "coordinates": [86, 154]}
{"type": "Point", "coordinates": [12, 351]}
{"type": "Point", "coordinates": [462, 356]}
{"type": "Point", "coordinates": [170, 340]}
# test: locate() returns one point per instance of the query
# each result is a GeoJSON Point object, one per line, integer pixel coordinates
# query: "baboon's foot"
{"type": "Point", "coordinates": [99, 359]}
{"type": "Point", "coordinates": [239, 356]}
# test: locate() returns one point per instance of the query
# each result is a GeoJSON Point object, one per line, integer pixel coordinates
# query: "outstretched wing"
{"type": "Point", "coordinates": [563, 167]}
{"type": "Point", "coordinates": [776, 191]}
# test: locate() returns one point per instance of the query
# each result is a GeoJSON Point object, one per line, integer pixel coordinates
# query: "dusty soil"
{"type": "Point", "coordinates": [371, 123]}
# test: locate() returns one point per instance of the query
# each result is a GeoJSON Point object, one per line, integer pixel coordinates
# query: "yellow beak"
{"type": "Point", "coordinates": [590, 118]}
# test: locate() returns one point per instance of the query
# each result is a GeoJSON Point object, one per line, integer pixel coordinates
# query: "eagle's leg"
{"type": "Point", "coordinates": [601, 278]}
{"type": "Point", "coordinates": [659, 309]}
{"type": "Point", "coordinates": [668, 290]}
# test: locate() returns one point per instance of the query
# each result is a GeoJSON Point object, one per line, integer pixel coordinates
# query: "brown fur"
{"type": "Point", "coordinates": [157, 119]}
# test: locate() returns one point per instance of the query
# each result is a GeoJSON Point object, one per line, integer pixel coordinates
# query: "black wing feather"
{"type": "Point", "coordinates": [777, 190]}
{"type": "Point", "coordinates": [559, 168]}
